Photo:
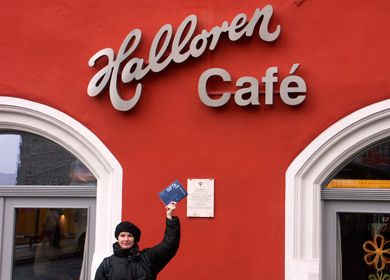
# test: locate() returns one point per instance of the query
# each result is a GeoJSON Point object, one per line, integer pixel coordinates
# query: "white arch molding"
{"type": "Point", "coordinates": [309, 171]}
{"type": "Point", "coordinates": [52, 124]}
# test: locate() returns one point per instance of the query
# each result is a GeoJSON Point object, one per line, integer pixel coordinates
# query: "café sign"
{"type": "Point", "coordinates": [168, 47]}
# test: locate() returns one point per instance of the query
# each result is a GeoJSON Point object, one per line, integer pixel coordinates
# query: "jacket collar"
{"type": "Point", "coordinates": [119, 252]}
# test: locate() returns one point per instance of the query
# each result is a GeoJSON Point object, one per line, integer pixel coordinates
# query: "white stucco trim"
{"type": "Point", "coordinates": [305, 176]}
{"type": "Point", "coordinates": [50, 123]}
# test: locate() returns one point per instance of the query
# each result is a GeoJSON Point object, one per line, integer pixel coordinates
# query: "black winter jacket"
{"type": "Point", "coordinates": [128, 264]}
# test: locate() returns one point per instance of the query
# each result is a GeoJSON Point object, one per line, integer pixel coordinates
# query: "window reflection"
{"type": "Point", "coordinates": [373, 164]}
{"type": "Point", "coordinates": [49, 243]}
{"type": "Point", "coordinates": [29, 159]}
{"type": "Point", "coordinates": [9, 151]}
{"type": "Point", "coordinates": [362, 234]}
{"type": "Point", "coordinates": [370, 169]}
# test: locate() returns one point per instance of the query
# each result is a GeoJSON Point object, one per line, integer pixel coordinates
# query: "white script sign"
{"type": "Point", "coordinates": [177, 48]}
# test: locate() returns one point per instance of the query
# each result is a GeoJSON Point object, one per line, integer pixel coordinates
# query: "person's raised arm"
{"type": "Point", "coordinates": [171, 207]}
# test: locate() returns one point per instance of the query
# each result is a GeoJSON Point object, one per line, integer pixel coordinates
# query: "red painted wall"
{"type": "Point", "coordinates": [343, 48]}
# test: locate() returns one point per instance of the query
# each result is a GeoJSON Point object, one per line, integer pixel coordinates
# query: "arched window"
{"type": "Point", "coordinates": [101, 197]}
{"type": "Point", "coordinates": [29, 159]}
{"type": "Point", "coordinates": [357, 217]}
{"type": "Point", "coordinates": [47, 241]}
{"type": "Point", "coordinates": [306, 221]}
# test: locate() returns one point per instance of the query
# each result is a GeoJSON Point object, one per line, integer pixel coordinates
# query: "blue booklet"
{"type": "Point", "coordinates": [174, 192]}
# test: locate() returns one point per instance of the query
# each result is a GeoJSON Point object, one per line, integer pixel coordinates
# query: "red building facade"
{"type": "Point", "coordinates": [268, 99]}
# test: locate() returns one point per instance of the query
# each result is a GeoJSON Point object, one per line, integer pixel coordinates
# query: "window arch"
{"type": "Point", "coordinates": [29, 159]}
{"type": "Point", "coordinates": [24, 115]}
{"type": "Point", "coordinates": [310, 171]}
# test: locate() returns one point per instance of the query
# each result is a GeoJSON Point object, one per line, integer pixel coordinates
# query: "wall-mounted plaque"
{"type": "Point", "coordinates": [200, 200]}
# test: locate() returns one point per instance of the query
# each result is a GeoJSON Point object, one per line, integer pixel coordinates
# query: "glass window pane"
{"type": "Point", "coordinates": [370, 169]}
{"type": "Point", "coordinates": [28, 159]}
{"type": "Point", "coordinates": [49, 243]}
{"type": "Point", "coordinates": [365, 246]}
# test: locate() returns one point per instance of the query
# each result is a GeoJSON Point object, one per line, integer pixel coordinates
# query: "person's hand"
{"type": "Point", "coordinates": [171, 207]}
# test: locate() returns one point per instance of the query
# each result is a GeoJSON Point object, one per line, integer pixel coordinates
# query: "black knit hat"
{"type": "Point", "coordinates": [128, 227]}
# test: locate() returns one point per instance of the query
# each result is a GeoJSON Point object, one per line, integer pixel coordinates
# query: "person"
{"type": "Point", "coordinates": [51, 226]}
{"type": "Point", "coordinates": [48, 251]}
{"type": "Point", "coordinates": [129, 263]}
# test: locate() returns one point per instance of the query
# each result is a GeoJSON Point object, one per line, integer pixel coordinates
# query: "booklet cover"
{"type": "Point", "coordinates": [174, 192]}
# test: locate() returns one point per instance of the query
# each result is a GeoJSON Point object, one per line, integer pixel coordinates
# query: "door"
{"type": "Point", "coordinates": [47, 238]}
{"type": "Point", "coordinates": [356, 240]}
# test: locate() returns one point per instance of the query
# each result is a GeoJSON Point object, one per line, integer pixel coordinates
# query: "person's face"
{"type": "Point", "coordinates": [125, 240]}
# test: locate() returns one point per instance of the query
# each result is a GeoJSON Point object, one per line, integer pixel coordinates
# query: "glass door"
{"type": "Point", "coordinates": [47, 238]}
{"type": "Point", "coordinates": [356, 240]}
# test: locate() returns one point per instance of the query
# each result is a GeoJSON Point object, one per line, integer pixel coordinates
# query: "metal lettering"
{"type": "Point", "coordinates": [160, 58]}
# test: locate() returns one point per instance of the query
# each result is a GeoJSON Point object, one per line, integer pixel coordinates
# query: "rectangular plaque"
{"type": "Point", "coordinates": [200, 200]}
